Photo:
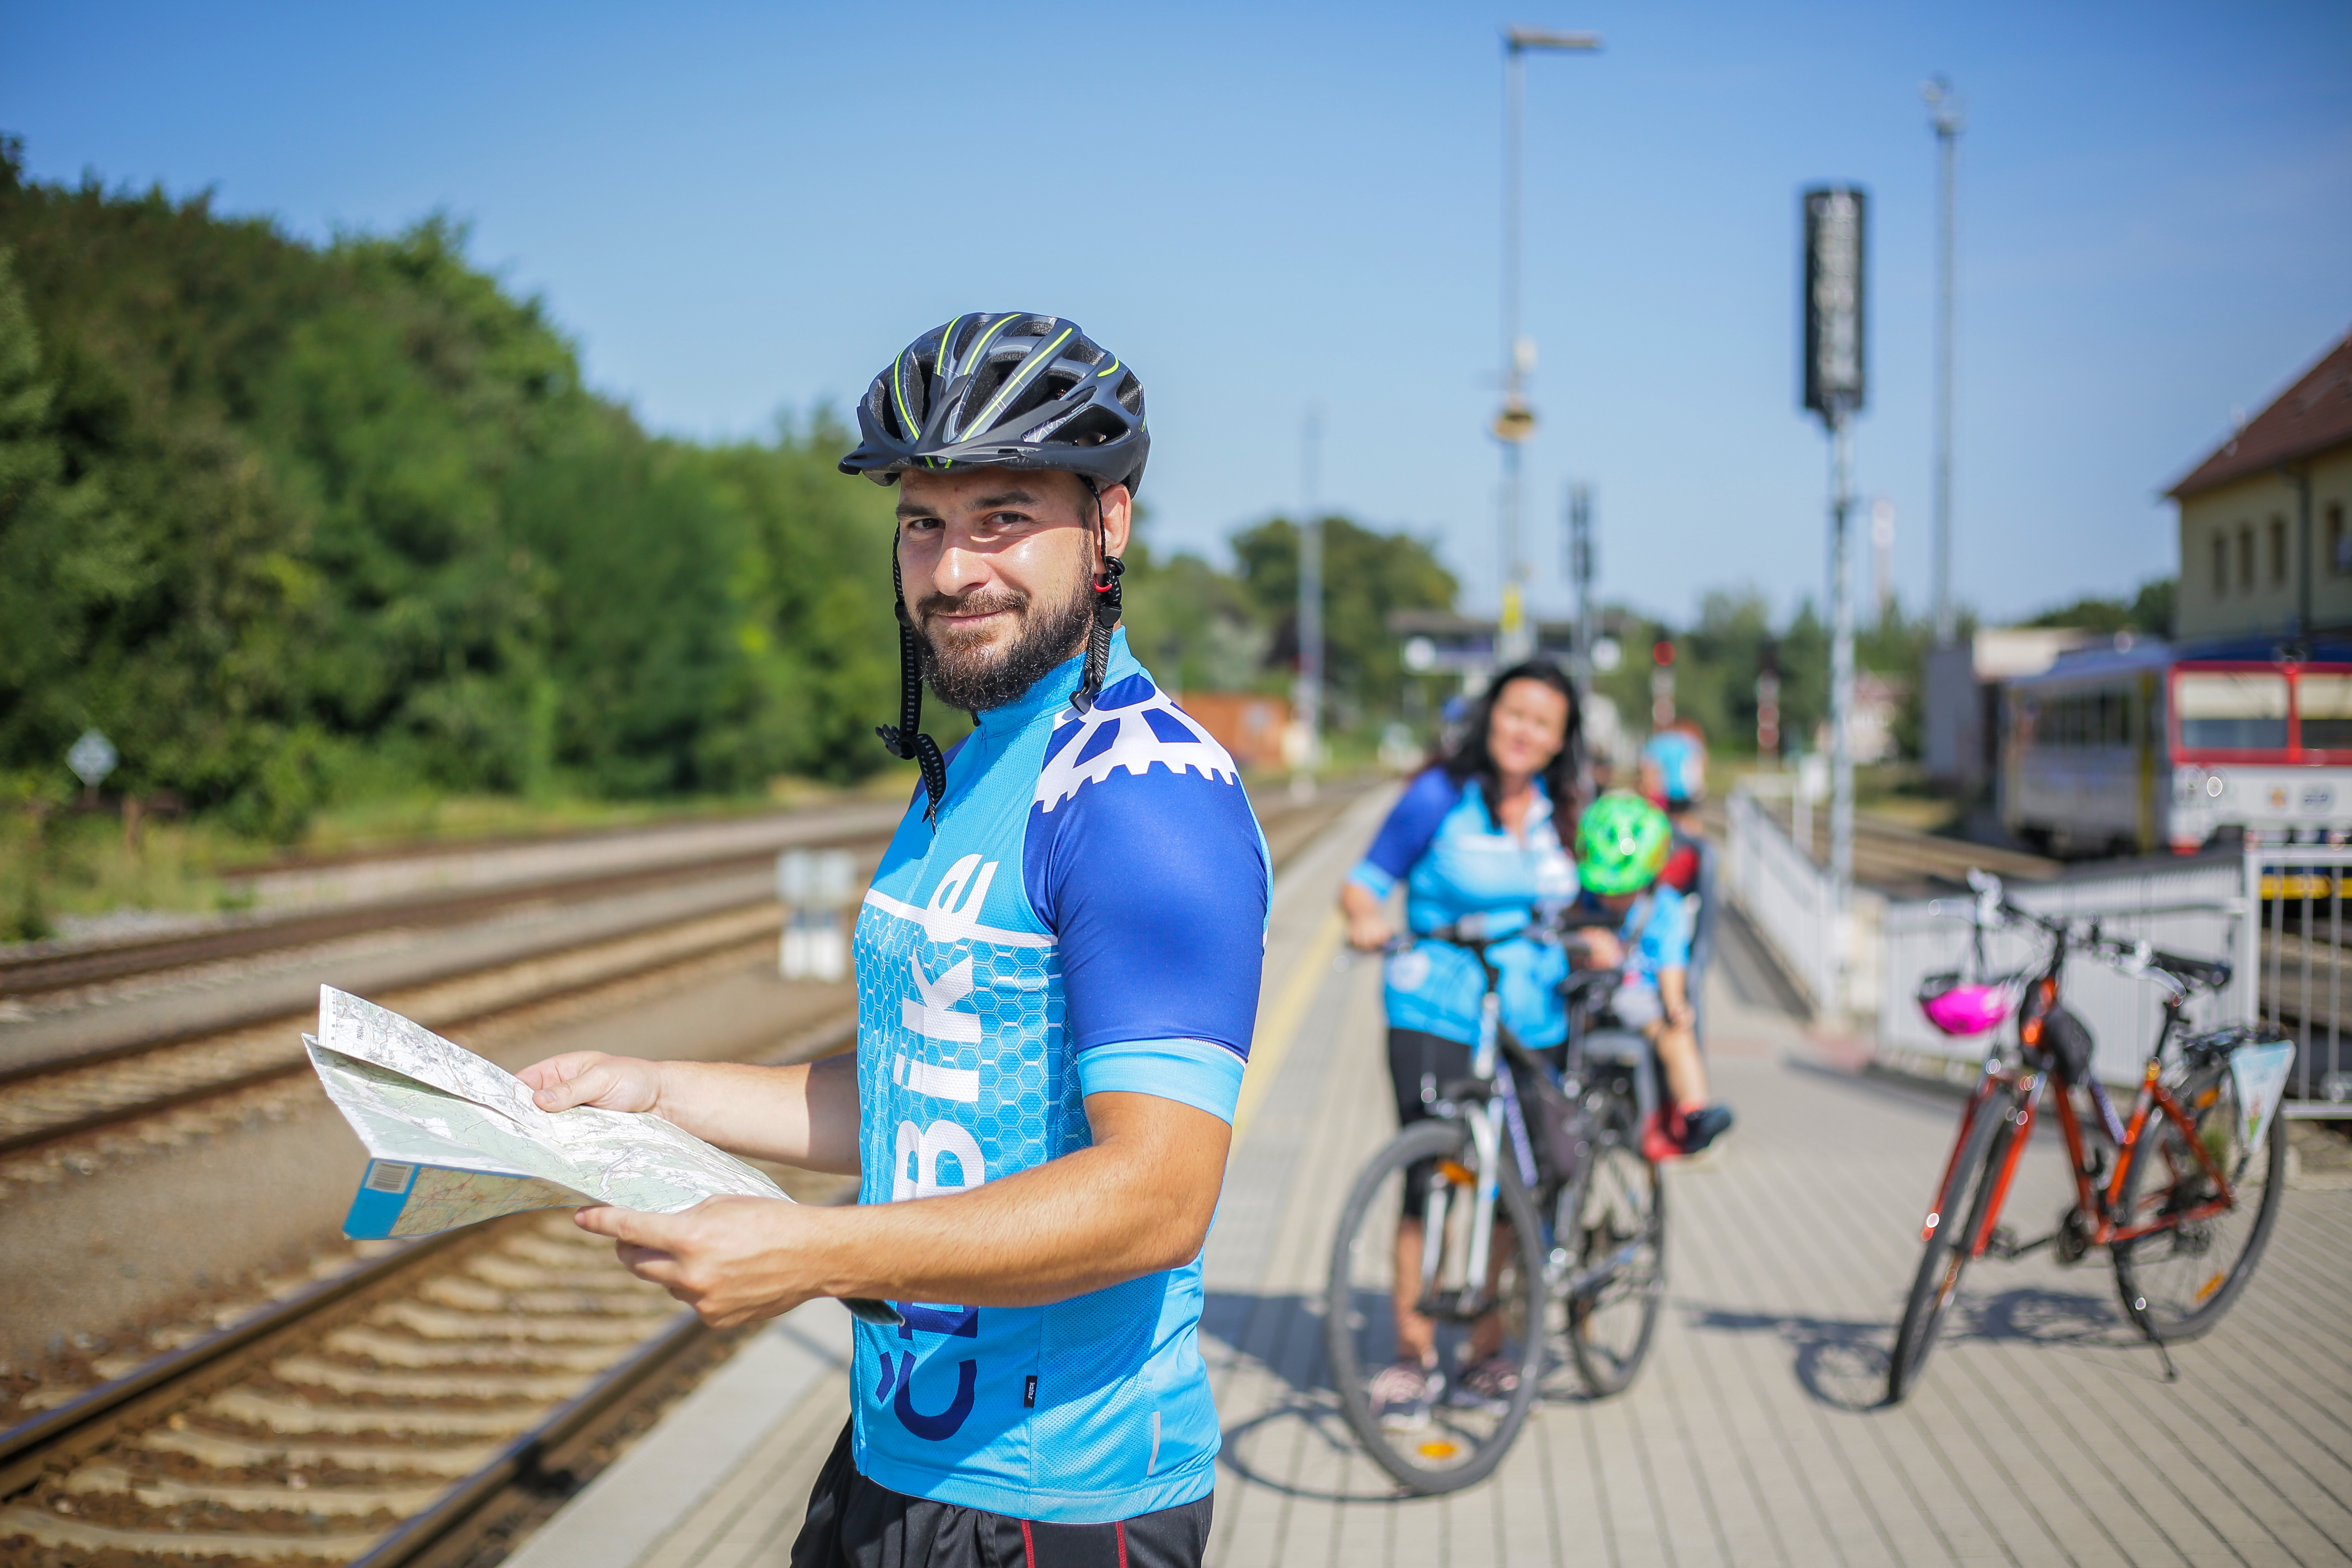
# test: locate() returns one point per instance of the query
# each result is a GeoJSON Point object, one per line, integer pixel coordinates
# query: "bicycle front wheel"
{"type": "Point", "coordinates": [1967, 1191]}
{"type": "Point", "coordinates": [1620, 1280]}
{"type": "Point", "coordinates": [2177, 1281]}
{"type": "Point", "coordinates": [1428, 1174]}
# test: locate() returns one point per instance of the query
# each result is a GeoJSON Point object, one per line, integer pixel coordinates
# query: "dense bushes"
{"type": "Point", "coordinates": [292, 521]}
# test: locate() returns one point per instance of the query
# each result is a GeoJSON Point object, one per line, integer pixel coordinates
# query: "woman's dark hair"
{"type": "Point", "coordinates": [1562, 776]}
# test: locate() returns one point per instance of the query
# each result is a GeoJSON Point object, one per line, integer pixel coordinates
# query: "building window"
{"type": "Point", "coordinates": [2278, 552]}
{"type": "Point", "coordinates": [2245, 557]}
{"type": "Point", "coordinates": [2221, 563]}
{"type": "Point", "coordinates": [2339, 549]}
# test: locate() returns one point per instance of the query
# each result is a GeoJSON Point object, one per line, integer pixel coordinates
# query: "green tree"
{"type": "Point", "coordinates": [1367, 576]}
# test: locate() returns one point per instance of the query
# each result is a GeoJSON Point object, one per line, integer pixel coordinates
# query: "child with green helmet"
{"type": "Point", "coordinates": [1629, 917]}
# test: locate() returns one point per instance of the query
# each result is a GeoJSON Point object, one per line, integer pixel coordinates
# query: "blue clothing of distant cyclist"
{"type": "Point", "coordinates": [1443, 843]}
{"type": "Point", "coordinates": [1656, 932]}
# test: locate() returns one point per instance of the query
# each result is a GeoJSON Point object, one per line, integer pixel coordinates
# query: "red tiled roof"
{"type": "Point", "coordinates": [2312, 417]}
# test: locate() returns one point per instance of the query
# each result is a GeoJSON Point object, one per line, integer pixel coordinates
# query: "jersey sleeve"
{"type": "Point", "coordinates": [1410, 828]}
{"type": "Point", "coordinates": [1155, 884]}
{"type": "Point", "coordinates": [1666, 939]}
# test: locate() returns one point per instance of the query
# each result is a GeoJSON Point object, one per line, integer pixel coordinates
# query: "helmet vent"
{"type": "Point", "coordinates": [1130, 393]}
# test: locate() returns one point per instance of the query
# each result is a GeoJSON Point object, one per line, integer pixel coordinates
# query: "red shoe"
{"type": "Point", "coordinates": [1662, 1136]}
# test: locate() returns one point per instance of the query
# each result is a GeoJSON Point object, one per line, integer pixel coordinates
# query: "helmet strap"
{"type": "Point", "coordinates": [906, 739]}
{"type": "Point", "coordinates": [1107, 605]}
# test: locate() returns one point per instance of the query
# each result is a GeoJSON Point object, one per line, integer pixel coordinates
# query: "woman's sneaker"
{"type": "Point", "coordinates": [1402, 1396]}
{"type": "Point", "coordinates": [1486, 1385]}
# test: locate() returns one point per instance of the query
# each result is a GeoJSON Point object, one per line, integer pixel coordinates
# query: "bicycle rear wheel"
{"type": "Point", "coordinates": [2177, 1281]}
{"type": "Point", "coordinates": [1967, 1191]}
{"type": "Point", "coordinates": [1461, 1439]}
{"type": "Point", "coordinates": [1620, 1241]}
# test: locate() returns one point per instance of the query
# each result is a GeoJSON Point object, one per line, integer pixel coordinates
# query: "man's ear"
{"type": "Point", "coordinates": [1117, 517]}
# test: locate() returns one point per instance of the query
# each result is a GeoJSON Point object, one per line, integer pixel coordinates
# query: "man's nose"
{"type": "Point", "coordinates": [959, 571]}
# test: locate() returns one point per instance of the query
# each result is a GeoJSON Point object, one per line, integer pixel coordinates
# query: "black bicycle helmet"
{"type": "Point", "coordinates": [1008, 390]}
{"type": "Point", "coordinates": [1005, 390]}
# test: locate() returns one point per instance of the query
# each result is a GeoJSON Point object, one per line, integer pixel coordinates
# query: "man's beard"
{"type": "Point", "coordinates": [968, 674]}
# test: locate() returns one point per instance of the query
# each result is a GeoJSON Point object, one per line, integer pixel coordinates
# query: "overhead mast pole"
{"type": "Point", "coordinates": [1514, 636]}
{"type": "Point", "coordinates": [1945, 117]}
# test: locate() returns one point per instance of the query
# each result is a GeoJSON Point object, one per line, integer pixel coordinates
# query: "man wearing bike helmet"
{"type": "Point", "coordinates": [1057, 976]}
{"type": "Point", "coordinates": [1630, 917]}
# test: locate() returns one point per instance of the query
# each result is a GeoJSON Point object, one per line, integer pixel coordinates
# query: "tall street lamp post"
{"type": "Point", "coordinates": [1944, 117]}
{"type": "Point", "coordinates": [1835, 386]}
{"type": "Point", "coordinates": [1516, 421]}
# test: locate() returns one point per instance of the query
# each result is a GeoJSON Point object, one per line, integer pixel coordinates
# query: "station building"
{"type": "Point", "coordinates": [2265, 544]}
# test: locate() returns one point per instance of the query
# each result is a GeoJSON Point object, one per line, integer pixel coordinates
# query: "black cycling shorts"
{"type": "Point", "coordinates": [854, 1523]}
{"type": "Point", "coordinates": [1417, 1057]}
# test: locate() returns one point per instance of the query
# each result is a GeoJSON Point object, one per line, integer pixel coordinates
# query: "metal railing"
{"type": "Point", "coordinates": [2296, 947]}
{"type": "Point", "coordinates": [1785, 896]}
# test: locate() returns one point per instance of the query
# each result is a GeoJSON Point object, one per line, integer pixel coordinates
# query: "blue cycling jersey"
{"type": "Point", "coordinates": [1454, 860]}
{"type": "Point", "coordinates": [1655, 930]}
{"type": "Point", "coordinates": [1090, 917]}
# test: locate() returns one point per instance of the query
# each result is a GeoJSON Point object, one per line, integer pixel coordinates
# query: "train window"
{"type": "Point", "coordinates": [2325, 703]}
{"type": "Point", "coordinates": [2231, 710]}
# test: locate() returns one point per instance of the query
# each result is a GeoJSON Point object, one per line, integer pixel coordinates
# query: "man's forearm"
{"type": "Point", "coordinates": [1092, 1219]}
{"type": "Point", "coordinates": [804, 1116]}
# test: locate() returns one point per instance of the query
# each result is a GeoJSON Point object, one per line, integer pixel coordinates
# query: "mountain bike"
{"type": "Point", "coordinates": [1536, 1204]}
{"type": "Point", "coordinates": [2182, 1196]}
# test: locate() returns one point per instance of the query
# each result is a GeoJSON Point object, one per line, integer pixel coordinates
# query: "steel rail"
{"type": "Point", "coordinates": [96, 1415]}
{"type": "Point", "coordinates": [39, 973]}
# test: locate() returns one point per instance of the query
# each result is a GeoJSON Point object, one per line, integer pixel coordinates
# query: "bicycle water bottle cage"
{"type": "Point", "coordinates": [1962, 1010]}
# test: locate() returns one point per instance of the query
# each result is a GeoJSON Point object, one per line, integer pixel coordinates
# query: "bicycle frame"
{"type": "Point", "coordinates": [2100, 1207]}
{"type": "Point", "coordinates": [1489, 1118]}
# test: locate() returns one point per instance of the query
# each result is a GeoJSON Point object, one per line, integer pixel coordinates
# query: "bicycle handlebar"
{"type": "Point", "coordinates": [2178, 973]}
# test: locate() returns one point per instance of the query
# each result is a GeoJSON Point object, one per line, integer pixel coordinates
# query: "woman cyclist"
{"type": "Point", "coordinates": [1478, 833]}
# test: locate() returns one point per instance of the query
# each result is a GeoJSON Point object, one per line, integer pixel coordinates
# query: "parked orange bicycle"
{"type": "Point", "coordinates": [2183, 1196]}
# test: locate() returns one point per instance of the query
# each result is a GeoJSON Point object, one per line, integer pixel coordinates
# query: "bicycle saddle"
{"type": "Point", "coordinates": [2212, 974]}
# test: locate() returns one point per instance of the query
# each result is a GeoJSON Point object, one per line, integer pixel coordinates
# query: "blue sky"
{"type": "Point", "coordinates": [1268, 207]}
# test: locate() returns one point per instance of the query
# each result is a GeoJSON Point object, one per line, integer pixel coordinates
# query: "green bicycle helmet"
{"type": "Point", "coordinates": [1621, 843]}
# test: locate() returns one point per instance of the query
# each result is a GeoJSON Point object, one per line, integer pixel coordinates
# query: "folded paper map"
{"type": "Point", "coordinates": [453, 1139]}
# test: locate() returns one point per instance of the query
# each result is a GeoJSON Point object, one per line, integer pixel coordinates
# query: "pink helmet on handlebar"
{"type": "Point", "coordinates": [1961, 1009]}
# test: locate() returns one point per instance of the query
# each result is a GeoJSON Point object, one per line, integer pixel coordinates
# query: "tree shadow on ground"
{"type": "Point", "coordinates": [1843, 1363]}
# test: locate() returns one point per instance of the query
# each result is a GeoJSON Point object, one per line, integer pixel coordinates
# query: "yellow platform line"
{"type": "Point", "coordinates": [1284, 1020]}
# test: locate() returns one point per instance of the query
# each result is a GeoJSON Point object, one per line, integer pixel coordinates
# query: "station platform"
{"type": "Point", "coordinates": [2043, 1431]}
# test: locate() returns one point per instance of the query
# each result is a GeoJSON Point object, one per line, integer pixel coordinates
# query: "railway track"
{"type": "Point", "coordinates": [414, 1409]}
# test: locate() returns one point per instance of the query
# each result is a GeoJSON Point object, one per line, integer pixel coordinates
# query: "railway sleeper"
{"type": "Point", "coordinates": [224, 1451]}
{"type": "Point", "coordinates": [46, 1529]}
{"type": "Point", "coordinates": [108, 1478]}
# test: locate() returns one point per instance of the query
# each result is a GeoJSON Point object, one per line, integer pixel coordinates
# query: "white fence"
{"type": "Point", "coordinates": [2277, 913]}
{"type": "Point", "coordinates": [1784, 895]}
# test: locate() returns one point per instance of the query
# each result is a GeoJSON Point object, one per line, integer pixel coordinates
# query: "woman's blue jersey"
{"type": "Point", "coordinates": [1455, 860]}
{"type": "Point", "coordinates": [1090, 917]}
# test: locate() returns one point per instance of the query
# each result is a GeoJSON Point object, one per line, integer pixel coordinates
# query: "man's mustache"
{"type": "Point", "coordinates": [984, 602]}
